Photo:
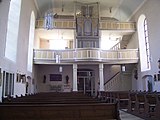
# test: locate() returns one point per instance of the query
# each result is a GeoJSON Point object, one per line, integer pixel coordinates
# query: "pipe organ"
{"type": "Point", "coordinates": [87, 25]}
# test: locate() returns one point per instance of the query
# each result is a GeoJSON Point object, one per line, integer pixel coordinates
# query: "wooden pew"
{"type": "Point", "coordinates": [100, 111]}
{"type": "Point", "coordinates": [157, 108]}
{"type": "Point", "coordinates": [150, 105]}
{"type": "Point", "coordinates": [117, 96]}
{"type": "Point", "coordinates": [143, 104]}
{"type": "Point", "coordinates": [140, 107]}
{"type": "Point", "coordinates": [122, 98]}
{"type": "Point", "coordinates": [56, 100]}
{"type": "Point", "coordinates": [57, 106]}
{"type": "Point", "coordinates": [132, 102]}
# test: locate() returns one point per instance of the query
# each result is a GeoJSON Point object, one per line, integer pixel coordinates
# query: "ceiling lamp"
{"type": "Point", "coordinates": [110, 9]}
{"type": "Point", "coordinates": [62, 6]}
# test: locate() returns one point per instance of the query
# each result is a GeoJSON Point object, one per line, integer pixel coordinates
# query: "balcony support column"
{"type": "Point", "coordinates": [75, 77]}
{"type": "Point", "coordinates": [101, 78]}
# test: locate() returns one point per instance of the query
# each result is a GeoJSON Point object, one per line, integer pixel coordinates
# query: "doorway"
{"type": "Point", "coordinates": [86, 81]}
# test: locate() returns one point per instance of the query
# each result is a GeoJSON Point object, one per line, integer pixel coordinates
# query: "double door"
{"type": "Point", "coordinates": [86, 83]}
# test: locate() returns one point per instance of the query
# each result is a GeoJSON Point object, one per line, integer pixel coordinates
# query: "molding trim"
{"type": "Point", "coordinates": [38, 10]}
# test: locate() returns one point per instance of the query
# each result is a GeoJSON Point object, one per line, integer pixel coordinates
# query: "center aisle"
{"type": "Point", "coordinates": [125, 116]}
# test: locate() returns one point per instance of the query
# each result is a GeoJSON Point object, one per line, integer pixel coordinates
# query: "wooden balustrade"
{"type": "Point", "coordinates": [104, 25]}
{"type": "Point", "coordinates": [74, 55]}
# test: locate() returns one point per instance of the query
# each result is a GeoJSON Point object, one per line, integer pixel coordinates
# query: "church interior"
{"type": "Point", "coordinates": [79, 60]}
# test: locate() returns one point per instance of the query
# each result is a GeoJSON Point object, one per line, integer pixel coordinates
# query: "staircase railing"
{"type": "Point", "coordinates": [113, 83]}
{"type": "Point", "coordinates": [111, 78]}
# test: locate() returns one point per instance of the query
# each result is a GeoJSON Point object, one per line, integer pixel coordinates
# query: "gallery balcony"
{"type": "Point", "coordinates": [103, 25]}
{"type": "Point", "coordinates": [87, 55]}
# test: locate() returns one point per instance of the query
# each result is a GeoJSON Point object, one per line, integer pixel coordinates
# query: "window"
{"type": "Point", "coordinates": [59, 44]}
{"type": "Point", "coordinates": [31, 40]}
{"type": "Point", "coordinates": [12, 30]}
{"type": "Point", "coordinates": [8, 85]}
{"type": "Point", "coordinates": [144, 43]}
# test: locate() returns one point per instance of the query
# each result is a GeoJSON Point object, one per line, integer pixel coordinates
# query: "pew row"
{"type": "Point", "coordinates": [140, 103]}
{"type": "Point", "coordinates": [99, 111]}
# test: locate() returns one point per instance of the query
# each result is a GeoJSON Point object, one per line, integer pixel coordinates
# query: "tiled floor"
{"type": "Point", "coordinates": [126, 116]}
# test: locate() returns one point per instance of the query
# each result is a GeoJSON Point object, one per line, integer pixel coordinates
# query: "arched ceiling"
{"type": "Point", "coordinates": [119, 9]}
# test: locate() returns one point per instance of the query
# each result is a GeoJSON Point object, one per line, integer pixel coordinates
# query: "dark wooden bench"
{"type": "Point", "coordinates": [144, 104]}
{"type": "Point", "coordinates": [132, 102]}
{"type": "Point", "coordinates": [140, 103]}
{"type": "Point", "coordinates": [116, 96]}
{"type": "Point", "coordinates": [157, 109]}
{"type": "Point", "coordinates": [150, 105]}
{"type": "Point", "coordinates": [122, 98]}
{"type": "Point", "coordinates": [100, 111]}
{"type": "Point", "coordinates": [52, 97]}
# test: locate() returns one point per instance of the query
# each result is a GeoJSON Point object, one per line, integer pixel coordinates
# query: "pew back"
{"type": "Point", "coordinates": [103, 111]}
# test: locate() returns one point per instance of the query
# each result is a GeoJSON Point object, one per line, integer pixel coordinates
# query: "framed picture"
{"type": "Point", "coordinates": [0, 77]}
{"type": "Point", "coordinates": [158, 77]}
{"type": "Point", "coordinates": [55, 77]}
{"type": "Point", "coordinates": [23, 78]}
{"type": "Point", "coordinates": [18, 78]}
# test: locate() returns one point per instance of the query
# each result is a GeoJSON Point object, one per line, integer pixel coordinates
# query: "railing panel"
{"type": "Point", "coordinates": [50, 55]}
{"type": "Point", "coordinates": [67, 55]}
{"type": "Point", "coordinates": [109, 54]}
{"type": "Point", "coordinates": [117, 25]}
{"type": "Point", "coordinates": [94, 54]}
{"type": "Point", "coordinates": [57, 24]}
{"type": "Point", "coordinates": [127, 54]}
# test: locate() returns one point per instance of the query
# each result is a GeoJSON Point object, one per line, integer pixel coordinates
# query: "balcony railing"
{"type": "Point", "coordinates": [104, 25]}
{"type": "Point", "coordinates": [85, 55]}
{"type": "Point", "coordinates": [65, 24]}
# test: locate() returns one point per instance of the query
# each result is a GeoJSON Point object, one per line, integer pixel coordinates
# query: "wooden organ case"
{"type": "Point", "coordinates": [87, 25]}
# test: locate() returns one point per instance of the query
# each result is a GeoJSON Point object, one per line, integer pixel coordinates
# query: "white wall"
{"type": "Point", "coordinates": [110, 71]}
{"type": "Point", "coordinates": [23, 39]}
{"type": "Point", "coordinates": [36, 40]}
{"type": "Point", "coordinates": [151, 10]}
{"type": "Point", "coordinates": [52, 69]}
{"type": "Point", "coordinates": [41, 70]}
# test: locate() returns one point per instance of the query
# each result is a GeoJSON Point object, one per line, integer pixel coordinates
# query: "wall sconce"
{"type": "Point", "coordinates": [60, 68]}
{"type": "Point", "coordinates": [123, 67]}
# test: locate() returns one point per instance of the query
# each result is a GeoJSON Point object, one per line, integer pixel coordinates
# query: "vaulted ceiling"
{"type": "Point", "coordinates": [119, 9]}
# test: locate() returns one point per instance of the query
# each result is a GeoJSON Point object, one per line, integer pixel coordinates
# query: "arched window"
{"type": "Point", "coordinates": [12, 30]}
{"type": "Point", "coordinates": [31, 40]}
{"type": "Point", "coordinates": [143, 43]}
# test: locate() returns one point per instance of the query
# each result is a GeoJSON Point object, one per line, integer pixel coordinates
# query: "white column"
{"type": "Point", "coordinates": [100, 39]}
{"type": "Point", "coordinates": [75, 77]}
{"type": "Point", "coordinates": [75, 42]}
{"type": "Point", "coordinates": [101, 78]}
